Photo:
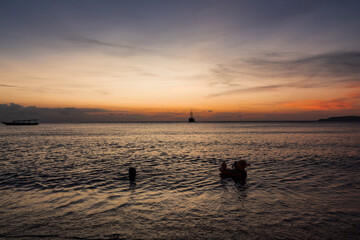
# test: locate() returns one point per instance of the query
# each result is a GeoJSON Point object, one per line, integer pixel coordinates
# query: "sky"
{"type": "Point", "coordinates": [155, 60]}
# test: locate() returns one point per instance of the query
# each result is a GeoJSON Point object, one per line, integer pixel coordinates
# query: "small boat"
{"type": "Point", "coordinates": [191, 119]}
{"type": "Point", "coordinates": [22, 122]}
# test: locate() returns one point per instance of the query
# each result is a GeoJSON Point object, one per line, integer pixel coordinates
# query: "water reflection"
{"type": "Point", "coordinates": [238, 187]}
{"type": "Point", "coordinates": [242, 189]}
{"type": "Point", "coordinates": [132, 185]}
{"type": "Point", "coordinates": [75, 177]}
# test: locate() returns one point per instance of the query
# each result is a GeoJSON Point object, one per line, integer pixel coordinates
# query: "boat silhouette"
{"type": "Point", "coordinates": [22, 122]}
{"type": "Point", "coordinates": [191, 119]}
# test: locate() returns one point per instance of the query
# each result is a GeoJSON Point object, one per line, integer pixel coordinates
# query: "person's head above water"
{"type": "Point", "coordinates": [235, 165]}
{"type": "Point", "coordinates": [242, 164]}
{"type": "Point", "coordinates": [132, 174]}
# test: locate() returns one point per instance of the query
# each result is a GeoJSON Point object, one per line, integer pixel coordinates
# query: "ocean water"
{"type": "Point", "coordinates": [69, 181]}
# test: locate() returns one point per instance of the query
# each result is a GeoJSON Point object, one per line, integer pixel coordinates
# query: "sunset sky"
{"type": "Point", "coordinates": [155, 60]}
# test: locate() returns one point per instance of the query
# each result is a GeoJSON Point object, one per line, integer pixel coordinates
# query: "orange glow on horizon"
{"type": "Point", "coordinates": [322, 104]}
{"type": "Point", "coordinates": [166, 87]}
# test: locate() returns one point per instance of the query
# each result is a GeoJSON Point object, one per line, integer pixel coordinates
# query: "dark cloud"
{"type": "Point", "coordinates": [13, 111]}
{"type": "Point", "coordinates": [9, 112]}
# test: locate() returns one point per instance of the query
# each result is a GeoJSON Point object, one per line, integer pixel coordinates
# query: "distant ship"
{"type": "Point", "coordinates": [22, 122]}
{"type": "Point", "coordinates": [191, 119]}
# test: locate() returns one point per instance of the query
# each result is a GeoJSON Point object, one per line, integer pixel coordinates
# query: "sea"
{"type": "Point", "coordinates": [70, 181]}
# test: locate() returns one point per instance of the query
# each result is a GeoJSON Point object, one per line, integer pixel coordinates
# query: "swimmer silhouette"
{"type": "Point", "coordinates": [132, 174]}
{"type": "Point", "coordinates": [238, 173]}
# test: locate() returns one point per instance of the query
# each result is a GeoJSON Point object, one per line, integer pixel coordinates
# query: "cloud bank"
{"type": "Point", "coordinates": [9, 112]}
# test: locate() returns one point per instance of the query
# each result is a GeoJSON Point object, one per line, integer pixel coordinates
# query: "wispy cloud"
{"type": "Point", "coordinates": [8, 86]}
{"type": "Point", "coordinates": [249, 90]}
{"type": "Point", "coordinates": [90, 41]}
{"type": "Point", "coordinates": [336, 64]}
{"type": "Point", "coordinates": [333, 104]}
{"type": "Point", "coordinates": [303, 72]}
{"type": "Point", "coordinates": [35, 89]}
{"type": "Point", "coordinates": [125, 48]}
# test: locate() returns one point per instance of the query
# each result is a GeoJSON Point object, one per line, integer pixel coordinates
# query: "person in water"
{"type": "Point", "coordinates": [132, 174]}
{"type": "Point", "coordinates": [238, 172]}
{"type": "Point", "coordinates": [241, 165]}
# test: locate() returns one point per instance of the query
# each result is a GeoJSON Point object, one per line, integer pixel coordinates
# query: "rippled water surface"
{"type": "Point", "coordinates": [69, 181]}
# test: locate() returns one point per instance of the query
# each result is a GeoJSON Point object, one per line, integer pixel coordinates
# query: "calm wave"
{"type": "Point", "coordinates": [69, 181]}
